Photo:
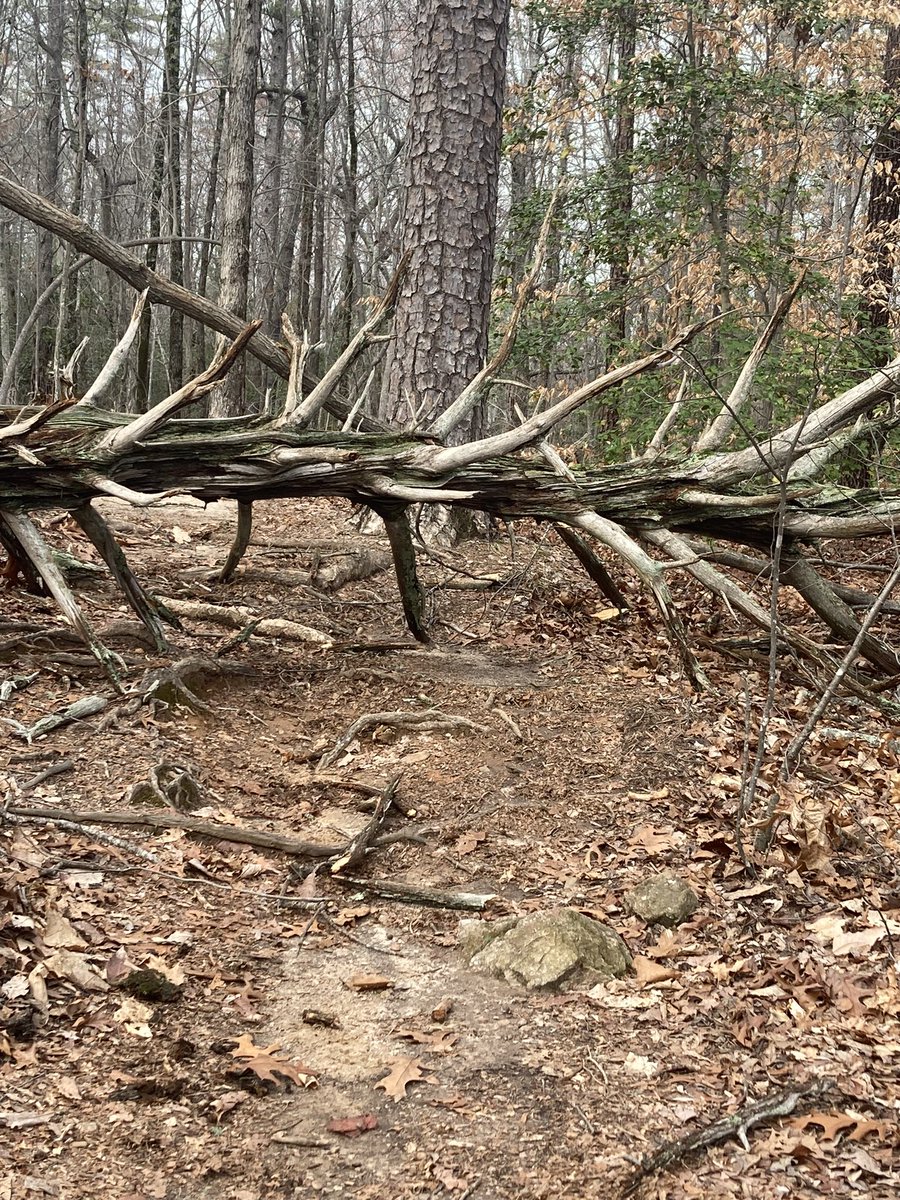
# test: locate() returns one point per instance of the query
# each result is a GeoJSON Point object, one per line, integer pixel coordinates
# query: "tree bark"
{"type": "Point", "coordinates": [237, 202]}
{"type": "Point", "coordinates": [452, 168]}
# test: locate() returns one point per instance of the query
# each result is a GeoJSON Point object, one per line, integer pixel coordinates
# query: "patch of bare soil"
{"type": "Point", "coordinates": [195, 1017]}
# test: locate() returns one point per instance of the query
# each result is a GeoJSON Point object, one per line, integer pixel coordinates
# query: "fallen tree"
{"type": "Point", "coordinates": [655, 513]}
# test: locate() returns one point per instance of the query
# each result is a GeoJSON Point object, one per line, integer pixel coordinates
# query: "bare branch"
{"type": "Point", "coordinates": [120, 441]}
{"type": "Point", "coordinates": [454, 457]}
{"type": "Point", "coordinates": [321, 393]}
{"type": "Point", "coordinates": [723, 424]}
{"type": "Point", "coordinates": [790, 444]}
{"type": "Point", "coordinates": [457, 412]}
{"type": "Point", "coordinates": [655, 445]}
{"type": "Point", "coordinates": [118, 354]}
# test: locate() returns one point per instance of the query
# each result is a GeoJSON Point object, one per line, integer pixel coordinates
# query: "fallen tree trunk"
{"type": "Point", "coordinates": [70, 453]}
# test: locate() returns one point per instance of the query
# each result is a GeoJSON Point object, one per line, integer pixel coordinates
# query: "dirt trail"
{"type": "Point", "coordinates": [595, 768]}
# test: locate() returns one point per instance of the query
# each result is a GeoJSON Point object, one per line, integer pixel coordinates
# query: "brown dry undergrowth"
{"type": "Point", "coordinates": [595, 767]}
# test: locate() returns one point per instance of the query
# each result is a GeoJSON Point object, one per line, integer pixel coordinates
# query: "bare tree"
{"type": "Point", "coordinates": [237, 201]}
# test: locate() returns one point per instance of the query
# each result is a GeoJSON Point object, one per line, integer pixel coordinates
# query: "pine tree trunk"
{"type": "Point", "coordinates": [453, 155]}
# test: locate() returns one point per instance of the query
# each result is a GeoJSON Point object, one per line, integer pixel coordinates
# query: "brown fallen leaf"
{"type": "Point", "coordinates": [266, 1068]}
{"type": "Point", "coordinates": [833, 1124]}
{"type": "Point", "coordinates": [352, 1126]}
{"type": "Point", "coordinates": [227, 1102]}
{"type": "Point", "coordinates": [349, 916]}
{"type": "Point", "coordinates": [439, 1041]}
{"type": "Point", "coordinates": [261, 1062]}
{"type": "Point", "coordinates": [404, 1071]}
{"type": "Point", "coordinates": [76, 969]}
{"type": "Point", "coordinates": [469, 841]}
{"type": "Point", "coordinates": [368, 983]}
{"type": "Point", "coordinates": [444, 1175]}
{"type": "Point", "coordinates": [245, 1047]}
{"type": "Point", "coordinates": [59, 933]}
{"type": "Point", "coordinates": [119, 966]}
{"type": "Point", "coordinates": [649, 972]}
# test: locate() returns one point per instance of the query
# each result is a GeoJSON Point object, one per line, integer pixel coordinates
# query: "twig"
{"type": "Point", "coordinates": [360, 845]}
{"type": "Point", "coordinates": [211, 829]}
{"type": "Point", "coordinates": [792, 754]}
{"type": "Point", "coordinates": [428, 719]}
{"type": "Point", "coordinates": [776, 1104]}
{"type": "Point", "coordinates": [57, 768]}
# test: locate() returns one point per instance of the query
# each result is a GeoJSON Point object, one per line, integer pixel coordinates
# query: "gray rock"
{"type": "Point", "coordinates": [544, 948]}
{"type": "Point", "coordinates": [662, 900]}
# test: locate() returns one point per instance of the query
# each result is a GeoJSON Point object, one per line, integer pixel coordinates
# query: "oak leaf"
{"type": "Point", "coordinates": [404, 1071]}
{"type": "Point", "coordinates": [266, 1068]}
{"type": "Point", "coordinates": [440, 1041]}
{"type": "Point", "coordinates": [834, 1124]}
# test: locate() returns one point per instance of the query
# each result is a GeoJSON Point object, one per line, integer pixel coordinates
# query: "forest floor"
{"type": "Point", "coordinates": [590, 766]}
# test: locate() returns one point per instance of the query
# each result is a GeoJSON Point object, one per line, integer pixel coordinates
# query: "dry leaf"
{"type": "Point", "coordinates": [445, 1176]}
{"type": "Point", "coordinates": [347, 916]}
{"type": "Point", "coordinates": [59, 933]}
{"type": "Point", "coordinates": [68, 1087]}
{"type": "Point", "coordinates": [639, 1064]}
{"type": "Point", "coordinates": [227, 1102]}
{"type": "Point", "coordinates": [135, 1017]}
{"type": "Point", "coordinates": [119, 966]}
{"type": "Point", "coordinates": [649, 972]}
{"type": "Point", "coordinates": [439, 1041]}
{"type": "Point", "coordinates": [833, 1124]}
{"type": "Point", "coordinates": [174, 972]}
{"type": "Point", "coordinates": [809, 818]}
{"type": "Point", "coordinates": [469, 841]}
{"type": "Point", "coordinates": [368, 983]}
{"type": "Point", "coordinates": [245, 1047]}
{"type": "Point", "coordinates": [646, 838]}
{"type": "Point", "coordinates": [262, 1062]}
{"type": "Point", "coordinates": [76, 969]}
{"type": "Point", "coordinates": [15, 987]}
{"type": "Point", "coordinates": [859, 943]}
{"type": "Point", "coordinates": [180, 536]}
{"type": "Point", "coordinates": [352, 1126]}
{"type": "Point", "coordinates": [267, 1068]}
{"type": "Point", "coordinates": [404, 1071]}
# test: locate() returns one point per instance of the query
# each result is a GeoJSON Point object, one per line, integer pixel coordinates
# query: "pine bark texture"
{"type": "Point", "coordinates": [453, 156]}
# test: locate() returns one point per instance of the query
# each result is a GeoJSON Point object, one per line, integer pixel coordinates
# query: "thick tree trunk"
{"type": "Point", "coordinates": [453, 155]}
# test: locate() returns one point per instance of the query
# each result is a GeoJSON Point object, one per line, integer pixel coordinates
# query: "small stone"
{"type": "Point", "coordinates": [662, 900]}
{"type": "Point", "coordinates": [544, 949]}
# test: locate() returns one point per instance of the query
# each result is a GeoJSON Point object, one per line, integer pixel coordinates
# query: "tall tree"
{"type": "Point", "coordinates": [452, 170]}
{"type": "Point", "coordinates": [237, 201]}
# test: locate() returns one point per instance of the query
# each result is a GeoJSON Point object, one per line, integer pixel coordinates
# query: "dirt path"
{"type": "Point", "coordinates": [592, 768]}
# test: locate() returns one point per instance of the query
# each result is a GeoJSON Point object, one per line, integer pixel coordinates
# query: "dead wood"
{"type": "Point", "coordinates": [360, 845]}
{"type": "Point", "coordinates": [224, 833]}
{"type": "Point", "coordinates": [68, 455]}
{"type": "Point", "coordinates": [239, 617]}
{"type": "Point", "coordinates": [409, 893]}
{"type": "Point", "coordinates": [425, 720]}
{"type": "Point", "coordinates": [769, 1108]}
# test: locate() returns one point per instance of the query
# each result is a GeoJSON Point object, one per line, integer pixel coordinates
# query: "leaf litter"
{"type": "Point", "coordinates": [619, 773]}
